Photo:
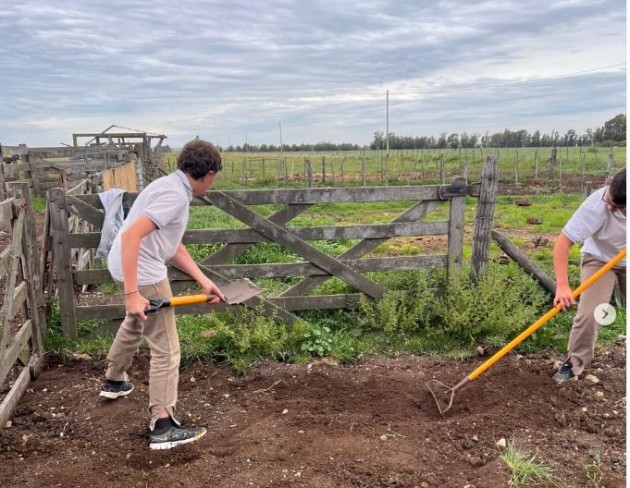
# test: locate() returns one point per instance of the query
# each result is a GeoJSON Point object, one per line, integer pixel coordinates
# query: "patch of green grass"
{"type": "Point", "coordinates": [263, 169]}
{"type": "Point", "coordinates": [88, 341]}
{"type": "Point", "coordinates": [39, 203]}
{"type": "Point", "coordinates": [109, 288]}
{"type": "Point", "coordinates": [594, 469]}
{"type": "Point", "coordinates": [525, 471]}
{"type": "Point", "coordinates": [554, 210]}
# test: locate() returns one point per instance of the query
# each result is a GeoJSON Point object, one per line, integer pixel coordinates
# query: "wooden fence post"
{"type": "Point", "coordinates": [2, 191]}
{"type": "Point", "coordinates": [309, 172]}
{"type": "Point", "coordinates": [32, 270]}
{"type": "Point", "coordinates": [363, 175]}
{"type": "Point", "coordinates": [456, 228]}
{"type": "Point", "coordinates": [63, 266]}
{"type": "Point", "coordinates": [552, 161]}
{"type": "Point", "coordinates": [524, 262]}
{"type": "Point", "coordinates": [485, 214]}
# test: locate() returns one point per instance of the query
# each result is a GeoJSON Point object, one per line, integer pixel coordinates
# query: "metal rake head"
{"type": "Point", "coordinates": [442, 394]}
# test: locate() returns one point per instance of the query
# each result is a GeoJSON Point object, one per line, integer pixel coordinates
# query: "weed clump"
{"type": "Point", "coordinates": [486, 310]}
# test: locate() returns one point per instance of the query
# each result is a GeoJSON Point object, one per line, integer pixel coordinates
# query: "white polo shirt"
{"type": "Point", "coordinates": [602, 231]}
{"type": "Point", "coordinates": [166, 201]}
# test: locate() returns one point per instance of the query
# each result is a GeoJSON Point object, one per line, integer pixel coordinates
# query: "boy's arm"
{"type": "Point", "coordinates": [186, 263]}
{"type": "Point", "coordinates": [131, 237]}
{"type": "Point", "coordinates": [564, 294]}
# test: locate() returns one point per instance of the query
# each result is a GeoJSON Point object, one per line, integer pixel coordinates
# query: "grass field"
{"type": "Point", "coordinates": [346, 168]}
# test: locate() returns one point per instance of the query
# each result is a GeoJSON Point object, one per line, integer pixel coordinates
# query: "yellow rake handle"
{"type": "Point", "coordinates": [545, 318]}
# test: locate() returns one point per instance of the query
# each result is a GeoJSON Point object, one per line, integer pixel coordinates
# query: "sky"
{"type": "Point", "coordinates": [308, 71]}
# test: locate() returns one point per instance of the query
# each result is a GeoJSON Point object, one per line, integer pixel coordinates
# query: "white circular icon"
{"type": "Point", "coordinates": [605, 314]}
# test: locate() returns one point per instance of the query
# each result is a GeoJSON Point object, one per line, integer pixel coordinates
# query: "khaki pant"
{"type": "Point", "coordinates": [160, 331]}
{"type": "Point", "coordinates": [585, 328]}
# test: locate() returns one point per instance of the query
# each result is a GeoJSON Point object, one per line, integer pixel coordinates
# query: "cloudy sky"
{"type": "Point", "coordinates": [231, 71]}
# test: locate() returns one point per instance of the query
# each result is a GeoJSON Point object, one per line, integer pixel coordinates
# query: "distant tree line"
{"type": "Point", "coordinates": [613, 133]}
{"type": "Point", "coordinates": [320, 146]}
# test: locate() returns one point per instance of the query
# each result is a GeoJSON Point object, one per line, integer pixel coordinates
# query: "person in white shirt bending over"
{"type": "Point", "coordinates": [599, 223]}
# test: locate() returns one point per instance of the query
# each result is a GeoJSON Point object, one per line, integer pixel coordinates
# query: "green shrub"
{"type": "Point", "coordinates": [502, 302]}
{"type": "Point", "coordinates": [317, 341]}
{"type": "Point", "coordinates": [400, 311]}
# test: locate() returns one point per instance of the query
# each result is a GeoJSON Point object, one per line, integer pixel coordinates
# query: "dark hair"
{"type": "Point", "coordinates": [618, 188]}
{"type": "Point", "coordinates": [198, 158]}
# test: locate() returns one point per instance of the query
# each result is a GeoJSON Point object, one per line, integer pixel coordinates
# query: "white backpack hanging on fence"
{"type": "Point", "coordinates": [112, 201]}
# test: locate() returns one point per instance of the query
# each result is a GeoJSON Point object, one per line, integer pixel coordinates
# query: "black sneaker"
{"type": "Point", "coordinates": [565, 373]}
{"type": "Point", "coordinates": [113, 390]}
{"type": "Point", "coordinates": [175, 436]}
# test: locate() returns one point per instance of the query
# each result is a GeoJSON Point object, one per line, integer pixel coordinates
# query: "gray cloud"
{"type": "Point", "coordinates": [231, 70]}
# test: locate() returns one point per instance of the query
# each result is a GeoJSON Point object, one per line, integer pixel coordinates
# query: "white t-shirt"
{"type": "Point", "coordinates": [166, 202]}
{"type": "Point", "coordinates": [602, 231]}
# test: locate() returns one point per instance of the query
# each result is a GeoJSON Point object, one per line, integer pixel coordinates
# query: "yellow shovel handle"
{"type": "Point", "coordinates": [190, 300]}
{"type": "Point", "coordinates": [545, 318]}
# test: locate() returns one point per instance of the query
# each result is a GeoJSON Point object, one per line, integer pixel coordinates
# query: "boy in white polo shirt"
{"type": "Point", "coordinates": [151, 235]}
{"type": "Point", "coordinates": [600, 223]}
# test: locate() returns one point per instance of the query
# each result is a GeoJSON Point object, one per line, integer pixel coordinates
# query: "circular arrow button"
{"type": "Point", "coordinates": [605, 314]}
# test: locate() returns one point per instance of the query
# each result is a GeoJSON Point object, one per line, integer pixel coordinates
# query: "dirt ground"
{"type": "Point", "coordinates": [322, 425]}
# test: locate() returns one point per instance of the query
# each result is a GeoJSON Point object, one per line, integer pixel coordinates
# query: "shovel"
{"type": "Point", "coordinates": [235, 293]}
{"type": "Point", "coordinates": [448, 393]}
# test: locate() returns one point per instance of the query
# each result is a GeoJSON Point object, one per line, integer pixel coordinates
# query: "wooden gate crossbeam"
{"type": "Point", "coordinates": [416, 212]}
{"type": "Point", "coordinates": [294, 243]}
{"type": "Point", "coordinates": [85, 211]}
{"type": "Point", "coordinates": [281, 217]}
{"type": "Point", "coordinates": [248, 237]}
{"type": "Point", "coordinates": [277, 270]}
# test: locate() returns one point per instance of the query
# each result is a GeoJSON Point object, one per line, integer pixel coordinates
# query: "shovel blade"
{"type": "Point", "coordinates": [240, 291]}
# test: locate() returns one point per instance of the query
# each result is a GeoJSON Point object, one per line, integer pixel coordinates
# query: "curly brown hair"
{"type": "Point", "coordinates": [198, 158]}
{"type": "Point", "coordinates": [618, 188]}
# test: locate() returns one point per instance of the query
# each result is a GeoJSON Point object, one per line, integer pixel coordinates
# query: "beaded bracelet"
{"type": "Point", "coordinates": [131, 292]}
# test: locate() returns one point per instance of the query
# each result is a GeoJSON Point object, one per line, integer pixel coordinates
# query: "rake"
{"type": "Point", "coordinates": [449, 392]}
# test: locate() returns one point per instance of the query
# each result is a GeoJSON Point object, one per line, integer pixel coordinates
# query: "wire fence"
{"type": "Point", "coordinates": [557, 167]}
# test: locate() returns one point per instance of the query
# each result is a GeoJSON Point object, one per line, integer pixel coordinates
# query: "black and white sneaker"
{"type": "Point", "coordinates": [565, 373]}
{"type": "Point", "coordinates": [115, 389]}
{"type": "Point", "coordinates": [175, 436]}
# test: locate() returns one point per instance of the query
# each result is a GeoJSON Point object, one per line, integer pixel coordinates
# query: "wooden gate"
{"type": "Point", "coordinates": [316, 266]}
{"type": "Point", "coordinates": [22, 322]}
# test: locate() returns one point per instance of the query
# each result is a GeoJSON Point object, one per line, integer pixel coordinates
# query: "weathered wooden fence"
{"type": "Point", "coordinates": [81, 258]}
{"type": "Point", "coordinates": [44, 168]}
{"type": "Point", "coordinates": [22, 321]}
{"type": "Point", "coordinates": [315, 267]}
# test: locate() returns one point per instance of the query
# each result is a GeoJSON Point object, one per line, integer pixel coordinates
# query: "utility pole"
{"type": "Point", "coordinates": [280, 126]}
{"type": "Point", "coordinates": [387, 123]}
